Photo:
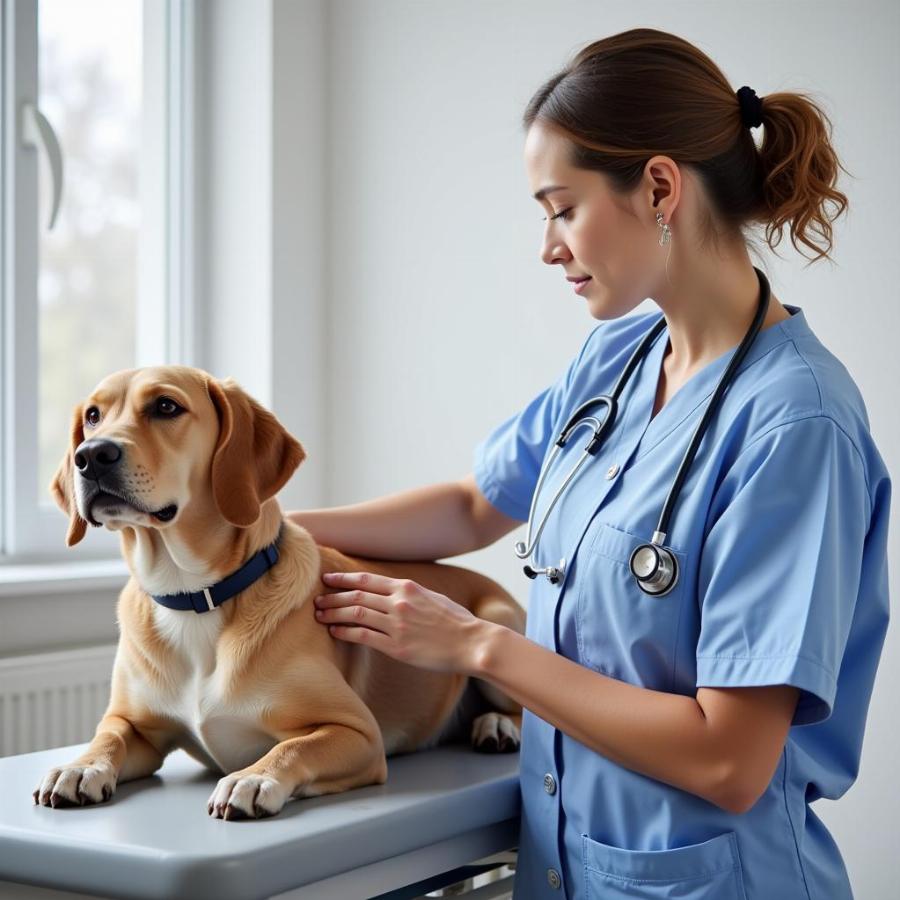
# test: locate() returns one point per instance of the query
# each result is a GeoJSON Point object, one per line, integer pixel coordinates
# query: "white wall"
{"type": "Point", "coordinates": [263, 170]}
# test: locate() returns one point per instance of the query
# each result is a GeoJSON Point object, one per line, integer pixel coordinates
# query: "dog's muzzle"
{"type": "Point", "coordinates": [98, 462]}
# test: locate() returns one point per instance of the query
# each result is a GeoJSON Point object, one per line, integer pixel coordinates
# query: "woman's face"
{"type": "Point", "coordinates": [590, 231]}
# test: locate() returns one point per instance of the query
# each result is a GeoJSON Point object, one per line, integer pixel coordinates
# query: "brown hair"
{"type": "Point", "coordinates": [631, 96]}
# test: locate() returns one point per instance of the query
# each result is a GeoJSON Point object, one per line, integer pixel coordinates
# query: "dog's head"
{"type": "Point", "coordinates": [149, 443]}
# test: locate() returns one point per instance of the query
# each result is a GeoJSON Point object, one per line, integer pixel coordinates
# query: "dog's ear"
{"type": "Point", "coordinates": [62, 487]}
{"type": "Point", "coordinates": [254, 455]}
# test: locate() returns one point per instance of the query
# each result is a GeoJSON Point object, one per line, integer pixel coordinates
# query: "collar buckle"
{"type": "Point", "coordinates": [202, 601]}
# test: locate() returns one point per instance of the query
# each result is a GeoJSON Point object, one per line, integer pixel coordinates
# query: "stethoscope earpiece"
{"type": "Point", "coordinates": [554, 573]}
{"type": "Point", "coordinates": [655, 569]}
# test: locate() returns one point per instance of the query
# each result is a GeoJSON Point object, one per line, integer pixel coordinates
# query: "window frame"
{"type": "Point", "coordinates": [31, 528]}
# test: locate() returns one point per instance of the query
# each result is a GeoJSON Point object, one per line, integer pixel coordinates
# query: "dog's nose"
{"type": "Point", "coordinates": [96, 457]}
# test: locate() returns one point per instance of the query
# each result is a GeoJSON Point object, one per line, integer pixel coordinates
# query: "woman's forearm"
{"type": "Point", "coordinates": [426, 523]}
{"type": "Point", "coordinates": [665, 736]}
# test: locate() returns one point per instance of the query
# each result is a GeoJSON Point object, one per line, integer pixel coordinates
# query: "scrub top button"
{"type": "Point", "coordinates": [612, 471]}
{"type": "Point", "coordinates": [549, 784]}
{"type": "Point", "coordinates": [553, 879]}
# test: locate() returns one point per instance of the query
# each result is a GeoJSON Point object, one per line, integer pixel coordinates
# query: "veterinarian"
{"type": "Point", "coordinates": [687, 694]}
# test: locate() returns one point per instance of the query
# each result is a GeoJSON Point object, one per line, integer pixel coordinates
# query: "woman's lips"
{"type": "Point", "coordinates": [579, 285]}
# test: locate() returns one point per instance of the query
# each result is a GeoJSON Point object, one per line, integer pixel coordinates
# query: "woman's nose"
{"type": "Point", "coordinates": [555, 251]}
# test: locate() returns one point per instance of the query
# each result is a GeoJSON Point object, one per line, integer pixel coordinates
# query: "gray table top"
{"type": "Point", "coordinates": [155, 838]}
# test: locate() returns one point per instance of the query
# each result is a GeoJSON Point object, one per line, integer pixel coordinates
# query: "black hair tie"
{"type": "Point", "coordinates": [751, 107]}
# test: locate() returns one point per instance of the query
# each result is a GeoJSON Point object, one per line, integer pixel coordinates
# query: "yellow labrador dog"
{"type": "Point", "coordinates": [186, 467]}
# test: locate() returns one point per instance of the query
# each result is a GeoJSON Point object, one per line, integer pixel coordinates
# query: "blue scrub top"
{"type": "Point", "coordinates": [780, 533]}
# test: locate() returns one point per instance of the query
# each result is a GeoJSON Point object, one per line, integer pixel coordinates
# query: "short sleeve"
{"type": "Point", "coordinates": [508, 461]}
{"type": "Point", "coordinates": [780, 569]}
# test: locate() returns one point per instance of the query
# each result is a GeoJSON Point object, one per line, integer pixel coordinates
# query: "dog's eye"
{"type": "Point", "coordinates": [167, 407]}
{"type": "Point", "coordinates": [92, 416]}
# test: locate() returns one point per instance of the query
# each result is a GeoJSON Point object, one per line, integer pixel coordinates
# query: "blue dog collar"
{"type": "Point", "coordinates": [215, 595]}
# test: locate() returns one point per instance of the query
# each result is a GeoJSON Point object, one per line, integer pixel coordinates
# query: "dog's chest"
{"type": "Point", "coordinates": [226, 732]}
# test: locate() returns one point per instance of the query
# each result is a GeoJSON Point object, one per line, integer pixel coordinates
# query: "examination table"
{"type": "Point", "coordinates": [439, 811]}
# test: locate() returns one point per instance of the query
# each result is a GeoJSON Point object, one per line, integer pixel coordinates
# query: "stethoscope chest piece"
{"type": "Point", "coordinates": [654, 568]}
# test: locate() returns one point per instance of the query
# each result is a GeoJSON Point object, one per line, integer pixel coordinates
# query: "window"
{"type": "Point", "coordinates": [95, 109]}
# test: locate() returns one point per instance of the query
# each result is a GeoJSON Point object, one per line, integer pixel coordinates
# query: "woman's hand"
{"type": "Point", "coordinates": [403, 620]}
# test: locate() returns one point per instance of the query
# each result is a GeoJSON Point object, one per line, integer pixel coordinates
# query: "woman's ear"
{"type": "Point", "coordinates": [254, 455]}
{"type": "Point", "coordinates": [62, 487]}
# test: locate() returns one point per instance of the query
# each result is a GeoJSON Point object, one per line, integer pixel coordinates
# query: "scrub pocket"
{"type": "Point", "coordinates": [623, 632]}
{"type": "Point", "coordinates": [707, 871]}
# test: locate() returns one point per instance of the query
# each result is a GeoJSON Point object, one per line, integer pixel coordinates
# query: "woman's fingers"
{"type": "Point", "coordinates": [378, 602]}
{"type": "Point", "coordinates": [398, 617]}
{"type": "Point", "coordinates": [365, 581]}
{"type": "Point", "coordinates": [367, 636]}
{"type": "Point", "coordinates": [356, 608]}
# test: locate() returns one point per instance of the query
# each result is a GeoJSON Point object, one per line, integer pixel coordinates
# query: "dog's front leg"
{"type": "Point", "coordinates": [118, 752]}
{"type": "Point", "coordinates": [320, 759]}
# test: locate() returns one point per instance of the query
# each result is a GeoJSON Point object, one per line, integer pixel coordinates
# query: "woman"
{"type": "Point", "coordinates": [671, 742]}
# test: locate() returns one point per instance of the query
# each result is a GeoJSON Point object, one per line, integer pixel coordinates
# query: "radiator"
{"type": "Point", "coordinates": [53, 699]}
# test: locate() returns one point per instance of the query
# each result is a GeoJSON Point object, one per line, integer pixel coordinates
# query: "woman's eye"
{"type": "Point", "coordinates": [92, 416]}
{"type": "Point", "coordinates": [562, 212]}
{"type": "Point", "coordinates": [165, 406]}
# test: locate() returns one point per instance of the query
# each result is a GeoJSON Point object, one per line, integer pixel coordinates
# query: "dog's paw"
{"type": "Point", "coordinates": [495, 733]}
{"type": "Point", "coordinates": [247, 795]}
{"type": "Point", "coordinates": [76, 786]}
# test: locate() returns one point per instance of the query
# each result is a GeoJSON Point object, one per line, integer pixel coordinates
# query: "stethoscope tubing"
{"type": "Point", "coordinates": [579, 418]}
{"type": "Point", "coordinates": [559, 491]}
{"type": "Point", "coordinates": [713, 405]}
{"type": "Point", "coordinates": [665, 570]}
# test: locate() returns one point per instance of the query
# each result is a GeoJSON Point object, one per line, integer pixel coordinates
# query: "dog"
{"type": "Point", "coordinates": [186, 468]}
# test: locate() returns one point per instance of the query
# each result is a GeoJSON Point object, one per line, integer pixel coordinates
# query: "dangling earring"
{"type": "Point", "coordinates": [666, 234]}
{"type": "Point", "coordinates": [665, 237]}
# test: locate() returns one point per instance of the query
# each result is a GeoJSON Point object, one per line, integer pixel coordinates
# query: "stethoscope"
{"type": "Point", "coordinates": [653, 565]}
